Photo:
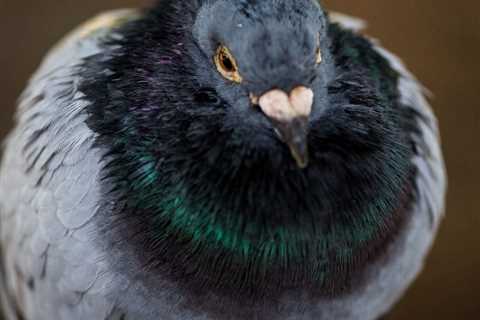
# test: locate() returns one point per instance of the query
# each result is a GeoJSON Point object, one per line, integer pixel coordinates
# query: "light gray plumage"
{"type": "Point", "coordinates": [54, 262]}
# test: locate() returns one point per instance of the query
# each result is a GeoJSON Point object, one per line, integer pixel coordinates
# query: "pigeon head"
{"type": "Point", "coordinates": [251, 147]}
{"type": "Point", "coordinates": [266, 57]}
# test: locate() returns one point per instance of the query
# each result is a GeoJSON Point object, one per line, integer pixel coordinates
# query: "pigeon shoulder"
{"type": "Point", "coordinates": [432, 179]}
{"type": "Point", "coordinates": [406, 256]}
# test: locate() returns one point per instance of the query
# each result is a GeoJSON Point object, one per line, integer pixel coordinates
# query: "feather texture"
{"type": "Point", "coordinates": [51, 182]}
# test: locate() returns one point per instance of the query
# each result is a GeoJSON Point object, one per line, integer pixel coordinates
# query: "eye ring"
{"type": "Point", "coordinates": [318, 53]}
{"type": "Point", "coordinates": [226, 64]}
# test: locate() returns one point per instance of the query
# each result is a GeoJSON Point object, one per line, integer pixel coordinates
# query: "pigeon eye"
{"type": "Point", "coordinates": [226, 64]}
{"type": "Point", "coordinates": [318, 58]}
{"type": "Point", "coordinates": [318, 54]}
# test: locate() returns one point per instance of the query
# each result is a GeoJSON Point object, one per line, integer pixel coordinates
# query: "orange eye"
{"type": "Point", "coordinates": [318, 56]}
{"type": "Point", "coordinates": [226, 64]}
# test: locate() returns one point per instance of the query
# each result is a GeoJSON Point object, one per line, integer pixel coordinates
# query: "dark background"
{"type": "Point", "coordinates": [438, 39]}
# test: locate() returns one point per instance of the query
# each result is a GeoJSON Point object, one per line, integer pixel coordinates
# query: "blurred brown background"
{"type": "Point", "coordinates": [439, 40]}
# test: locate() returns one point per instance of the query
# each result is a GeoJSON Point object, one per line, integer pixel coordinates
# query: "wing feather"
{"type": "Point", "coordinates": [49, 182]}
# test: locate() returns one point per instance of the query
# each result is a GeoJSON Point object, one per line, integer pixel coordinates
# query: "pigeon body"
{"type": "Point", "coordinates": [150, 175]}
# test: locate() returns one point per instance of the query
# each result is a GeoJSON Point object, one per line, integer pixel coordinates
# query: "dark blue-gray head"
{"type": "Point", "coordinates": [271, 55]}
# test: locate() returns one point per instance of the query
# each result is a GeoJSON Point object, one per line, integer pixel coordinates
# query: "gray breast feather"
{"type": "Point", "coordinates": [49, 182]}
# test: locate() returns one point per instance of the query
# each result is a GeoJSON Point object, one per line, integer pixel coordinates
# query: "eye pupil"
{"type": "Point", "coordinates": [227, 63]}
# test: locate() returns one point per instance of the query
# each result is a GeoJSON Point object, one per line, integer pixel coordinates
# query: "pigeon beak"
{"type": "Point", "coordinates": [289, 114]}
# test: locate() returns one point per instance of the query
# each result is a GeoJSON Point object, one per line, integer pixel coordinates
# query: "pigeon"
{"type": "Point", "coordinates": [218, 160]}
